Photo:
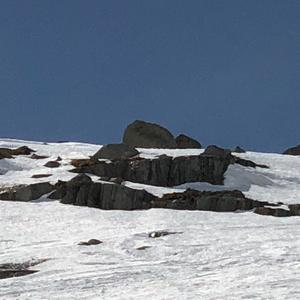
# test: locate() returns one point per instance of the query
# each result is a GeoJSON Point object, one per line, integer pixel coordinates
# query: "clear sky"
{"type": "Point", "coordinates": [224, 72]}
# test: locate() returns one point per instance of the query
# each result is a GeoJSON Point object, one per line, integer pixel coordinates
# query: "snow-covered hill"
{"type": "Point", "coordinates": [216, 256]}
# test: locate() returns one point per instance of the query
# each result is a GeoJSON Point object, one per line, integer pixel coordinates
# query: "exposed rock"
{"type": "Point", "coordinates": [238, 149]}
{"type": "Point", "coordinates": [160, 233]}
{"type": "Point", "coordinates": [293, 151]}
{"type": "Point", "coordinates": [35, 156]}
{"type": "Point", "coordinates": [60, 190]}
{"type": "Point", "coordinates": [163, 171]}
{"type": "Point", "coordinates": [222, 201]}
{"type": "Point", "coordinates": [9, 153]}
{"type": "Point", "coordinates": [275, 212]}
{"type": "Point", "coordinates": [81, 190]}
{"type": "Point", "coordinates": [90, 242]}
{"type": "Point", "coordinates": [115, 152]}
{"type": "Point", "coordinates": [52, 164]}
{"type": "Point", "coordinates": [213, 150]}
{"type": "Point", "coordinates": [15, 270]}
{"type": "Point", "coordinates": [26, 192]}
{"type": "Point", "coordinates": [148, 135]}
{"type": "Point", "coordinates": [216, 151]}
{"type": "Point", "coordinates": [24, 150]}
{"type": "Point", "coordinates": [58, 158]}
{"type": "Point", "coordinates": [143, 247]}
{"type": "Point", "coordinates": [185, 142]}
{"type": "Point", "coordinates": [5, 153]}
{"type": "Point", "coordinates": [248, 163]}
{"type": "Point", "coordinates": [294, 209]}
{"type": "Point", "coordinates": [41, 175]}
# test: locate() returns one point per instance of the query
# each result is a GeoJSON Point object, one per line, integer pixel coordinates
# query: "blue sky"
{"type": "Point", "coordinates": [224, 72]}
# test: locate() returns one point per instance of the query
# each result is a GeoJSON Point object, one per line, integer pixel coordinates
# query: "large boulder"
{"type": "Point", "coordinates": [26, 192]}
{"type": "Point", "coordinates": [148, 135]}
{"type": "Point", "coordinates": [185, 142]}
{"type": "Point", "coordinates": [293, 151]}
{"type": "Point", "coordinates": [115, 151]}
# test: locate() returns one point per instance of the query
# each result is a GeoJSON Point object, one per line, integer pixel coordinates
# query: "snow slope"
{"type": "Point", "coordinates": [217, 255]}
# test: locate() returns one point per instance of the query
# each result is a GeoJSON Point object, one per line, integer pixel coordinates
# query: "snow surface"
{"type": "Point", "coordinates": [217, 256]}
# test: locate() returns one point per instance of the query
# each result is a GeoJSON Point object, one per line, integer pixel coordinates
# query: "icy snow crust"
{"type": "Point", "coordinates": [218, 255]}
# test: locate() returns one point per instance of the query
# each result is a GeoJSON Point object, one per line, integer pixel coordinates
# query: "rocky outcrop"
{"type": "Point", "coordinates": [142, 134]}
{"type": "Point", "coordinates": [26, 192]}
{"type": "Point", "coordinates": [221, 201]}
{"type": "Point", "coordinates": [9, 153]}
{"type": "Point", "coordinates": [9, 270]}
{"type": "Point", "coordinates": [163, 171]}
{"type": "Point", "coordinates": [81, 190]}
{"type": "Point", "coordinates": [166, 171]}
{"type": "Point", "coordinates": [293, 151]}
{"type": "Point", "coordinates": [185, 142]}
{"type": "Point", "coordinates": [115, 152]}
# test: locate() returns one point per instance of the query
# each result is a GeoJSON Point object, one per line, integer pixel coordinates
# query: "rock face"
{"type": "Point", "coordinates": [115, 152]}
{"type": "Point", "coordinates": [142, 134]}
{"type": "Point", "coordinates": [26, 192]}
{"type": "Point", "coordinates": [293, 151]}
{"type": "Point", "coordinates": [223, 201]}
{"type": "Point", "coordinates": [163, 171]}
{"type": "Point", "coordinates": [185, 142]}
{"type": "Point", "coordinates": [81, 190]}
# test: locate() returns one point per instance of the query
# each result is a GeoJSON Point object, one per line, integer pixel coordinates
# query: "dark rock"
{"type": "Point", "coordinates": [115, 152]}
{"type": "Point", "coordinates": [221, 201]}
{"type": "Point", "coordinates": [238, 149]}
{"type": "Point", "coordinates": [15, 270]}
{"type": "Point", "coordinates": [275, 212]}
{"type": "Point", "coordinates": [160, 233]}
{"type": "Point", "coordinates": [148, 135]}
{"type": "Point", "coordinates": [293, 151]}
{"type": "Point", "coordinates": [15, 273]}
{"type": "Point", "coordinates": [58, 158]}
{"type": "Point", "coordinates": [213, 150]}
{"type": "Point", "coordinates": [294, 209]}
{"type": "Point", "coordinates": [248, 163]}
{"type": "Point", "coordinates": [90, 242]}
{"type": "Point", "coordinates": [24, 150]}
{"type": "Point", "coordinates": [5, 153]}
{"type": "Point", "coordinates": [186, 142]}
{"type": "Point", "coordinates": [41, 175]}
{"type": "Point", "coordinates": [81, 190]}
{"type": "Point", "coordinates": [9, 153]}
{"type": "Point", "coordinates": [163, 171]}
{"type": "Point", "coordinates": [35, 156]}
{"type": "Point", "coordinates": [216, 151]}
{"type": "Point", "coordinates": [26, 192]}
{"type": "Point", "coordinates": [143, 248]}
{"type": "Point", "coordinates": [52, 164]}
{"type": "Point", "coordinates": [60, 191]}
